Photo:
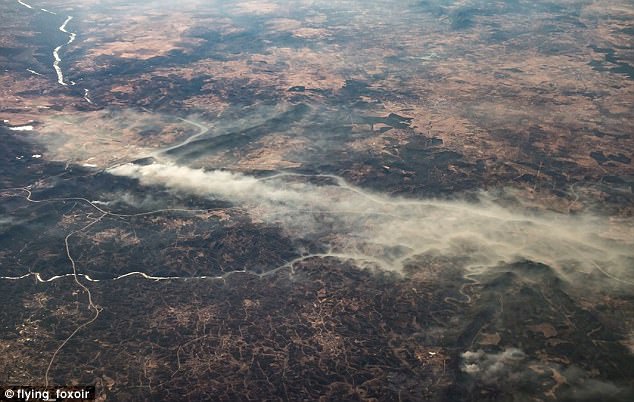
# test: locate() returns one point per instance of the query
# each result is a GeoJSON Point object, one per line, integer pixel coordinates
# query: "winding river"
{"type": "Point", "coordinates": [57, 59]}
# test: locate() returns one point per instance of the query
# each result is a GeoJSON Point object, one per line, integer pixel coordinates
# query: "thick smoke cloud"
{"type": "Point", "coordinates": [387, 232]}
{"type": "Point", "coordinates": [493, 368]}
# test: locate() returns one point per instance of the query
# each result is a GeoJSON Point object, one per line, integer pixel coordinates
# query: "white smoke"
{"type": "Point", "coordinates": [387, 232]}
{"type": "Point", "coordinates": [492, 368]}
{"type": "Point", "coordinates": [513, 370]}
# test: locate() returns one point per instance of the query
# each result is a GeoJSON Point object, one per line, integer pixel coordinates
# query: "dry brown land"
{"type": "Point", "coordinates": [415, 98]}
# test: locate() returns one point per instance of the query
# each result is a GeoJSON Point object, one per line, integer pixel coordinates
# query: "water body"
{"type": "Point", "coordinates": [56, 56]}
